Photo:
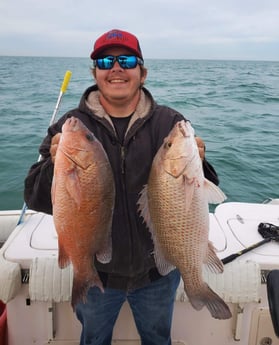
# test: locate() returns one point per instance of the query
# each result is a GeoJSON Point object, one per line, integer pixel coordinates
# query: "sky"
{"type": "Point", "coordinates": [174, 29]}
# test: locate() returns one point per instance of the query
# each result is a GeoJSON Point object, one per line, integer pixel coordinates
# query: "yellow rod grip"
{"type": "Point", "coordinates": [66, 80]}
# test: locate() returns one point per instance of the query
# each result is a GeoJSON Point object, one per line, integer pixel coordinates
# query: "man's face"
{"type": "Point", "coordinates": [118, 85]}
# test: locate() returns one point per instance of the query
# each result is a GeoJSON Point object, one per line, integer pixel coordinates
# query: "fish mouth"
{"type": "Point", "coordinates": [185, 128]}
{"type": "Point", "coordinates": [182, 129]}
{"type": "Point", "coordinates": [72, 124]}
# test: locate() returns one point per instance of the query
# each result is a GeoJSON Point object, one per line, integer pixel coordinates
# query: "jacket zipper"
{"type": "Point", "coordinates": [125, 201]}
{"type": "Point", "coordinates": [122, 159]}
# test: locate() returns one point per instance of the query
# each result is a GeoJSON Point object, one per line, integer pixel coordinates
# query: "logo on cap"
{"type": "Point", "coordinates": [116, 35]}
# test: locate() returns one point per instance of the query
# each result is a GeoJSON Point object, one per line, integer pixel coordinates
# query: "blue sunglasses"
{"type": "Point", "coordinates": [125, 61]}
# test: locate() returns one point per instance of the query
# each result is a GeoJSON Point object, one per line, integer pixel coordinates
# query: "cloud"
{"type": "Point", "coordinates": [167, 29]}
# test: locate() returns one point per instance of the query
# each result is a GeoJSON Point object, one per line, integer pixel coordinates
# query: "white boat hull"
{"type": "Point", "coordinates": [40, 313]}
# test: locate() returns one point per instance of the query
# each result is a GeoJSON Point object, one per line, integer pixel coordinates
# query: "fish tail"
{"type": "Point", "coordinates": [207, 297]}
{"type": "Point", "coordinates": [81, 286]}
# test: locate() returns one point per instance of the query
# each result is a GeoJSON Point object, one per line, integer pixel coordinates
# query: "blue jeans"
{"type": "Point", "coordinates": [152, 308]}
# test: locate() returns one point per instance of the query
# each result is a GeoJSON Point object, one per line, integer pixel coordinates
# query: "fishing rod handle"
{"type": "Point", "coordinates": [232, 257]}
{"type": "Point", "coordinates": [66, 80]}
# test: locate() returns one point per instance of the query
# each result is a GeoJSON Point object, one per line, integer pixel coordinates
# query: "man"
{"type": "Point", "coordinates": [131, 126]}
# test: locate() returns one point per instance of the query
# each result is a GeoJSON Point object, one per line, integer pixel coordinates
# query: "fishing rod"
{"type": "Point", "coordinates": [269, 232]}
{"type": "Point", "coordinates": [63, 89]}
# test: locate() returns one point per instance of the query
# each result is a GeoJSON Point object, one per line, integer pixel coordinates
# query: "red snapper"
{"type": "Point", "coordinates": [83, 201]}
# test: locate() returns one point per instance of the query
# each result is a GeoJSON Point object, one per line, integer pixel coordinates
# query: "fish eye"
{"type": "Point", "coordinates": [89, 137]}
{"type": "Point", "coordinates": [168, 144]}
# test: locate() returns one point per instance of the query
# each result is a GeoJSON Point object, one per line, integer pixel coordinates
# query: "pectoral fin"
{"type": "Point", "coordinates": [213, 193]}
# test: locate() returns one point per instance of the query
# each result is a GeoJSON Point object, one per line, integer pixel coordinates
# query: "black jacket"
{"type": "Point", "coordinates": [132, 249]}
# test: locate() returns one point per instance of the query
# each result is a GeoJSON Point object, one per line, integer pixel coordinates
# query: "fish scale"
{"type": "Point", "coordinates": [174, 204]}
{"type": "Point", "coordinates": [83, 195]}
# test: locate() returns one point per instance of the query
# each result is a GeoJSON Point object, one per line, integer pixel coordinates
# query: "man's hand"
{"type": "Point", "coordinates": [53, 147]}
{"type": "Point", "coordinates": [201, 147]}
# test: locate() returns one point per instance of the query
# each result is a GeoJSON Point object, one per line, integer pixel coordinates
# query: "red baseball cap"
{"type": "Point", "coordinates": [116, 38]}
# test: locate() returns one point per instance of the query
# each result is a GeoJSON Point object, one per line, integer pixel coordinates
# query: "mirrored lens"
{"type": "Point", "coordinates": [106, 62]}
{"type": "Point", "coordinates": [125, 61]}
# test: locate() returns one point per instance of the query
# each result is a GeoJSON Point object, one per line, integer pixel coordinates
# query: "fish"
{"type": "Point", "coordinates": [83, 194]}
{"type": "Point", "coordinates": [174, 206]}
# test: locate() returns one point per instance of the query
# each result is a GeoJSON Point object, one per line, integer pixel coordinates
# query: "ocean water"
{"type": "Point", "coordinates": [233, 106]}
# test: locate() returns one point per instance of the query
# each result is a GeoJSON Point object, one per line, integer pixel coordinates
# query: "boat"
{"type": "Point", "coordinates": [37, 293]}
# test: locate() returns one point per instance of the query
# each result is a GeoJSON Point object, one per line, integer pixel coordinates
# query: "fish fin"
{"type": "Point", "coordinates": [63, 258]}
{"type": "Point", "coordinates": [207, 297]}
{"type": "Point", "coordinates": [82, 284]}
{"type": "Point", "coordinates": [143, 206]}
{"type": "Point", "coordinates": [73, 186]}
{"type": "Point", "coordinates": [164, 267]}
{"type": "Point", "coordinates": [104, 255]}
{"type": "Point", "coordinates": [53, 187]}
{"type": "Point", "coordinates": [213, 262]}
{"type": "Point", "coordinates": [213, 193]}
